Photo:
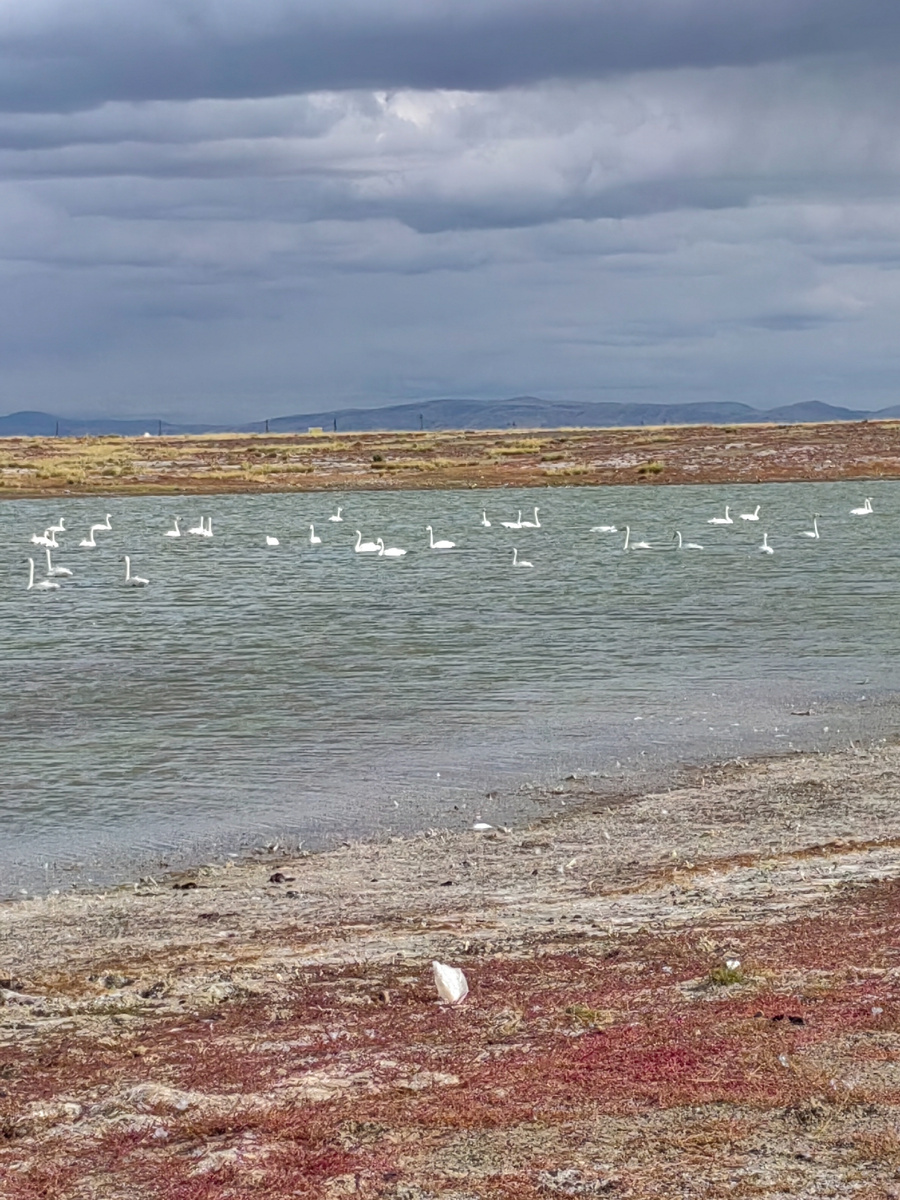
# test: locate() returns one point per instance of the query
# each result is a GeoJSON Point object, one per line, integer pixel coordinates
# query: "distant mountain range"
{"type": "Point", "coordinates": [523, 412]}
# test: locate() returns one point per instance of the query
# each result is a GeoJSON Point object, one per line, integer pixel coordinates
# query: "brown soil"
{"type": "Point", "coordinates": [272, 1029]}
{"type": "Point", "coordinates": [687, 454]}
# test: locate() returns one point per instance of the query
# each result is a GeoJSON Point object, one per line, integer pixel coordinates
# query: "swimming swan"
{"type": "Point", "coordinates": [441, 545]}
{"type": "Point", "coordinates": [765, 548]}
{"type": "Point", "coordinates": [484, 520]}
{"type": "Point", "coordinates": [604, 529]}
{"type": "Point", "coordinates": [46, 585]}
{"type": "Point", "coordinates": [864, 510]}
{"type": "Point", "coordinates": [535, 524]}
{"type": "Point", "coordinates": [390, 551]}
{"type": "Point", "coordinates": [51, 570]}
{"type": "Point", "coordinates": [629, 545]}
{"type": "Point", "coordinates": [513, 524]}
{"type": "Point", "coordinates": [89, 542]}
{"type": "Point", "coordinates": [176, 532]}
{"type": "Point", "coordinates": [133, 580]}
{"type": "Point", "coordinates": [313, 540]}
{"type": "Point", "coordinates": [686, 545]}
{"type": "Point", "coordinates": [362, 547]}
{"type": "Point", "coordinates": [272, 541]}
{"type": "Point", "coordinates": [198, 530]}
{"type": "Point", "coordinates": [726, 520]}
{"type": "Point", "coordinates": [520, 562]}
{"type": "Point", "coordinates": [814, 532]}
{"type": "Point", "coordinates": [207, 532]}
{"type": "Point", "coordinates": [47, 538]}
{"type": "Point", "coordinates": [754, 516]}
{"type": "Point", "coordinates": [337, 516]}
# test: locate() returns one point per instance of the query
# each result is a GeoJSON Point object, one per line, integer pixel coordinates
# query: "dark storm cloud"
{"type": "Point", "coordinates": [57, 56]}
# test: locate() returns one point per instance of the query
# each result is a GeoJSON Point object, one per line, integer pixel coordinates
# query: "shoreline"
{"type": "Point", "coordinates": [45, 468]}
{"type": "Point", "coordinates": [272, 1025]}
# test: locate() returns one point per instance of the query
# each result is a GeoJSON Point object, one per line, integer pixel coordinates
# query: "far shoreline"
{"type": "Point", "coordinates": [68, 468]}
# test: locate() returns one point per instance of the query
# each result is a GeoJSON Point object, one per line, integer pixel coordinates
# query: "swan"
{"type": "Point", "coordinates": [59, 527]}
{"type": "Point", "coordinates": [726, 520]}
{"type": "Point", "coordinates": [604, 529]}
{"type": "Point", "coordinates": [754, 516]}
{"type": "Point", "coordinates": [535, 524]}
{"type": "Point", "coordinates": [272, 541]}
{"type": "Point", "coordinates": [629, 545]}
{"type": "Point", "coordinates": [443, 544]}
{"type": "Point", "coordinates": [105, 524]}
{"type": "Point", "coordinates": [46, 585]}
{"type": "Point", "coordinates": [207, 532]}
{"type": "Point", "coordinates": [133, 580]}
{"type": "Point", "coordinates": [686, 545]}
{"type": "Point", "coordinates": [864, 510]}
{"type": "Point", "coordinates": [362, 547]}
{"type": "Point", "coordinates": [337, 516]}
{"type": "Point", "coordinates": [198, 530]}
{"type": "Point", "coordinates": [313, 540]}
{"type": "Point", "coordinates": [51, 570]}
{"type": "Point", "coordinates": [390, 551]}
{"type": "Point", "coordinates": [176, 532]}
{"type": "Point", "coordinates": [47, 538]}
{"type": "Point", "coordinates": [513, 524]}
{"type": "Point", "coordinates": [89, 540]}
{"type": "Point", "coordinates": [814, 532]}
{"type": "Point", "coordinates": [484, 520]}
{"type": "Point", "coordinates": [520, 562]}
{"type": "Point", "coordinates": [765, 548]}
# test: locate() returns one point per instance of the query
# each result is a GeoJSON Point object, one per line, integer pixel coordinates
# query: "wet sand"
{"type": "Point", "coordinates": [272, 1028]}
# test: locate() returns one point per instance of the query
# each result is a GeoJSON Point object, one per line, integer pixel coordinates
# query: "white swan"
{"type": "Point", "coordinates": [59, 527]}
{"type": "Point", "coordinates": [513, 524]}
{"type": "Point", "coordinates": [726, 520]}
{"type": "Point", "coordinates": [176, 532]}
{"type": "Point", "coordinates": [864, 510]}
{"type": "Point", "coordinates": [272, 541]}
{"type": "Point", "coordinates": [520, 562]}
{"type": "Point", "coordinates": [814, 532]}
{"type": "Point", "coordinates": [765, 548]}
{"type": "Point", "coordinates": [686, 545]}
{"type": "Point", "coordinates": [337, 516]}
{"type": "Point", "coordinates": [629, 545]}
{"type": "Point", "coordinates": [535, 524]}
{"type": "Point", "coordinates": [133, 580]}
{"type": "Point", "coordinates": [484, 520]}
{"type": "Point", "coordinates": [198, 530]}
{"type": "Point", "coordinates": [207, 532]}
{"type": "Point", "coordinates": [46, 585]}
{"type": "Point", "coordinates": [313, 539]}
{"type": "Point", "coordinates": [754, 516]}
{"type": "Point", "coordinates": [443, 544]}
{"type": "Point", "coordinates": [390, 551]}
{"type": "Point", "coordinates": [106, 524]}
{"type": "Point", "coordinates": [362, 547]}
{"type": "Point", "coordinates": [89, 542]}
{"type": "Point", "coordinates": [604, 529]}
{"type": "Point", "coordinates": [47, 538]}
{"type": "Point", "coordinates": [51, 570]}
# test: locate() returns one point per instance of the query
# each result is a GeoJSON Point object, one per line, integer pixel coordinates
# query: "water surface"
{"type": "Point", "coordinates": [252, 692]}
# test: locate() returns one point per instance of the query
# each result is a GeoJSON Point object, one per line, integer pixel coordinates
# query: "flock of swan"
{"type": "Point", "coordinates": [48, 540]}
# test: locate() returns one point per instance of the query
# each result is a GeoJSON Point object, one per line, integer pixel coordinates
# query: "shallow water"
{"type": "Point", "coordinates": [252, 692]}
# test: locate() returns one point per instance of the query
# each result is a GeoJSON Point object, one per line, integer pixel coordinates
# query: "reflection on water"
{"type": "Point", "coordinates": [253, 689]}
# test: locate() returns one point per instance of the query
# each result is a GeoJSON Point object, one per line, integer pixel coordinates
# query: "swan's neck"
{"type": "Point", "coordinates": [678, 535]}
{"type": "Point", "coordinates": [627, 536]}
{"type": "Point", "coordinates": [127, 567]}
{"type": "Point", "coordinates": [30, 573]}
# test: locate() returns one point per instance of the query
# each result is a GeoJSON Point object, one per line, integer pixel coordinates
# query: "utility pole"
{"type": "Point", "coordinates": [267, 424]}
{"type": "Point", "coordinates": [159, 429]}
{"type": "Point", "coordinates": [335, 424]}
{"type": "Point", "coordinates": [57, 428]}
{"type": "Point", "coordinates": [421, 421]}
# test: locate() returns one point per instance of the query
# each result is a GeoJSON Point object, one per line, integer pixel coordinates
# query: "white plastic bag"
{"type": "Point", "coordinates": [450, 982]}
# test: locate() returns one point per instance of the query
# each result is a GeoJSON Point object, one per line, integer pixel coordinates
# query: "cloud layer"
{"type": "Point", "coordinates": [224, 210]}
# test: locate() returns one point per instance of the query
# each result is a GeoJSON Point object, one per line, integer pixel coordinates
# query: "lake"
{"type": "Point", "coordinates": [253, 693]}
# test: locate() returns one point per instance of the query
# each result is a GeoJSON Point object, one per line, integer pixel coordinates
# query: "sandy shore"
{"type": "Point", "coordinates": [273, 1029]}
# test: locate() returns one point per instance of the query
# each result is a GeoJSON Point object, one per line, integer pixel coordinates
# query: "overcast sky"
{"type": "Point", "coordinates": [231, 209]}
